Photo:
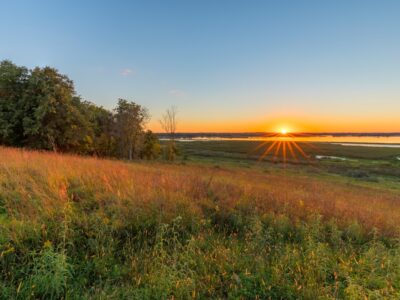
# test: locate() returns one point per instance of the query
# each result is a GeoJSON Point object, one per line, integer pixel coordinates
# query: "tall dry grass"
{"type": "Point", "coordinates": [86, 228]}
{"type": "Point", "coordinates": [42, 182]}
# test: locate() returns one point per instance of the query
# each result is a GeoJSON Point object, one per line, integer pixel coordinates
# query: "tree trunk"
{"type": "Point", "coordinates": [52, 143]}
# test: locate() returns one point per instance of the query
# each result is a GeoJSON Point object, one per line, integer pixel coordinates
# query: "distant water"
{"type": "Point", "coordinates": [384, 145]}
{"type": "Point", "coordinates": [346, 139]}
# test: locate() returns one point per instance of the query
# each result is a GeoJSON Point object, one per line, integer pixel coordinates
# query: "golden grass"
{"type": "Point", "coordinates": [40, 183]}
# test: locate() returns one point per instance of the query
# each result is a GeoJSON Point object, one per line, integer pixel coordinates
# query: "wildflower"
{"type": "Point", "coordinates": [47, 244]}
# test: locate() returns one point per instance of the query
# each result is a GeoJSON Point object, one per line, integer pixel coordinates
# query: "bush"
{"type": "Point", "coordinates": [49, 276]}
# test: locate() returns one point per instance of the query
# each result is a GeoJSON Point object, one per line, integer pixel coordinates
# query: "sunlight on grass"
{"type": "Point", "coordinates": [92, 227]}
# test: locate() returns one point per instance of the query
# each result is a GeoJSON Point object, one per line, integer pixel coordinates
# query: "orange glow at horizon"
{"type": "Point", "coordinates": [291, 125]}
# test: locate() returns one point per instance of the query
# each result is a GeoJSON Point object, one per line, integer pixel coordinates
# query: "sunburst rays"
{"type": "Point", "coordinates": [283, 147]}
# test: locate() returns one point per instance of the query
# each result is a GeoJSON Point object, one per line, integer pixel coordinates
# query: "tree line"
{"type": "Point", "coordinates": [40, 109]}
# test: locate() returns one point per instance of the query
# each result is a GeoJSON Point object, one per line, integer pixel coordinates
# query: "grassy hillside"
{"type": "Point", "coordinates": [75, 227]}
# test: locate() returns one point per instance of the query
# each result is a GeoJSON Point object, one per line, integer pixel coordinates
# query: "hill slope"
{"type": "Point", "coordinates": [83, 227]}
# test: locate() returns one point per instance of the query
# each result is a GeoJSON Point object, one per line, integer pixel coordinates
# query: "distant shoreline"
{"type": "Point", "coordinates": [355, 144]}
{"type": "Point", "coordinates": [269, 134]}
{"type": "Point", "coordinates": [344, 139]}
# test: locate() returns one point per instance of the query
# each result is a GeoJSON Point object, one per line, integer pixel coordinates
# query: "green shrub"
{"type": "Point", "coordinates": [49, 276]}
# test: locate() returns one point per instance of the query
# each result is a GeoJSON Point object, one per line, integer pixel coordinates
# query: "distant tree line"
{"type": "Point", "coordinates": [40, 109]}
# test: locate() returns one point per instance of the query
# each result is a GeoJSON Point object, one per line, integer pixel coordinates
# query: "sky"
{"type": "Point", "coordinates": [228, 66]}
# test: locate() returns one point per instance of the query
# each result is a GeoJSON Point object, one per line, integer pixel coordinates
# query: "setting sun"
{"type": "Point", "coordinates": [283, 131]}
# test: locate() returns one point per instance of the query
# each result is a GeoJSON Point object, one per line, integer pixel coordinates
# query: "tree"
{"type": "Point", "coordinates": [40, 109]}
{"type": "Point", "coordinates": [53, 118]}
{"type": "Point", "coordinates": [101, 123]}
{"type": "Point", "coordinates": [151, 147]}
{"type": "Point", "coordinates": [130, 120]}
{"type": "Point", "coordinates": [168, 122]}
{"type": "Point", "coordinates": [13, 81]}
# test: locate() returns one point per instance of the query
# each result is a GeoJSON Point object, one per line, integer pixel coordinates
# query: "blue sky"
{"type": "Point", "coordinates": [227, 65]}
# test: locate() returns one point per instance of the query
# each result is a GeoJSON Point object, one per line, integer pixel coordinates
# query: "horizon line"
{"type": "Point", "coordinates": [292, 132]}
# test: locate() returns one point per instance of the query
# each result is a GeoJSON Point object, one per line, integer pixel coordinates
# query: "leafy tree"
{"type": "Point", "coordinates": [40, 109]}
{"type": "Point", "coordinates": [53, 118]}
{"type": "Point", "coordinates": [102, 129]}
{"type": "Point", "coordinates": [130, 119]}
{"type": "Point", "coordinates": [12, 87]}
{"type": "Point", "coordinates": [151, 146]}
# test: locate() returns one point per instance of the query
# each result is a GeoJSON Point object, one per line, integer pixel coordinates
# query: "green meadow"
{"type": "Point", "coordinates": [361, 165]}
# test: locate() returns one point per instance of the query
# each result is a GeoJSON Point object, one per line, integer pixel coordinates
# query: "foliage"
{"type": "Point", "coordinates": [50, 273]}
{"type": "Point", "coordinates": [129, 122]}
{"type": "Point", "coordinates": [13, 82]}
{"type": "Point", "coordinates": [39, 109]}
{"type": "Point", "coordinates": [52, 119]}
{"type": "Point", "coordinates": [151, 147]}
{"type": "Point", "coordinates": [170, 150]}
